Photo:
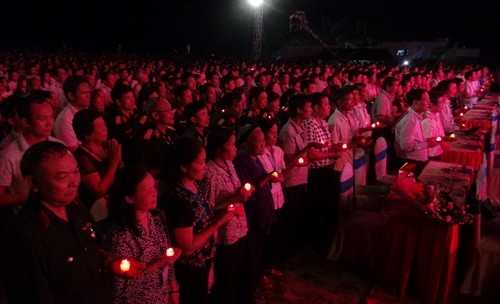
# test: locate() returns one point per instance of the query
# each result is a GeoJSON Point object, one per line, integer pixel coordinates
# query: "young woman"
{"type": "Point", "coordinates": [138, 231]}
{"type": "Point", "coordinates": [192, 221]}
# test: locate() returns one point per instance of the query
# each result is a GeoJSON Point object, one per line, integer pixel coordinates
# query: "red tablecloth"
{"type": "Point", "coordinates": [466, 150]}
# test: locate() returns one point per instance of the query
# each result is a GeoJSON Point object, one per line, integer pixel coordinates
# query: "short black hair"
{"type": "Point", "coordinates": [39, 152]}
{"type": "Point", "coordinates": [83, 122]}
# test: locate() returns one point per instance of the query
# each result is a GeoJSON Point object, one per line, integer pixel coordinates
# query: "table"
{"type": "Point", "coordinates": [466, 150]}
{"type": "Point", "coordinates": [451, 178]}
{"type": "Point", "coordinates": [406, 251]}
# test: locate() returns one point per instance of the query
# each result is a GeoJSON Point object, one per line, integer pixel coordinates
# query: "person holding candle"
{"type": "Point", "coordinates": [431, 124]}
{"type": "Point", "coordinates": [259, 208]}
{"type": "Point", "coordinates": [411, 146]}
{"type": "Point", "coordinates": [192, 221]}
{"type": "Point", "coordinates": [321, 177]}
{"type": "Point", "coordinates": [273, 162]}
{"type": "Point", "coordinates": [292, 139]}
{"type": "Point", "coordinates": [52, 254]}
{"type": "Point", "coordinates": [139, 231]}
{"type": "Point", "coordinates": [223, 190]}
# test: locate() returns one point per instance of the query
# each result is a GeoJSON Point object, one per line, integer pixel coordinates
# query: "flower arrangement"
{"type": "Point", "coordinates": [439, 205]}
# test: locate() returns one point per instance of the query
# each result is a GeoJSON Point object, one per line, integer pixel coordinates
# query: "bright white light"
{"type": "Point", "coordinates": [406, 62]}
{"type": "Point", "coordinates": [255, 3]}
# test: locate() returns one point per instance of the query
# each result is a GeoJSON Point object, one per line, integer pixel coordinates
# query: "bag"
{"type": "Point", "coordinates": [488, 212]}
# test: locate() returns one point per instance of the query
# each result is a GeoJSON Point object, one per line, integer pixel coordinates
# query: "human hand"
{"type": "Point", "coordinates": [114, 151]}
{"type": "Point", "coordinates": [136, 269]}
{"type": "Point", "coordinates": [162, 261]}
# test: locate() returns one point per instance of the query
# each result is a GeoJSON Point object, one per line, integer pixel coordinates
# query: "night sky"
{"type": "Point", "coordinates": [225, 26]}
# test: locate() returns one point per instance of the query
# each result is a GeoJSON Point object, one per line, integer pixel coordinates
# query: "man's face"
{"type": "Point", "coordinates": [58, 184]}
{"type": "Point", "coordinates": [81, 98]}
{"type": "Point", "coordinates": [42, 119]}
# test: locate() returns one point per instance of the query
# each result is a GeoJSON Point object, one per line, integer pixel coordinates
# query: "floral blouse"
{"type": "Point", "coordinates": [188, 209]}
{"type": "Point", "coordinates": [152, 287]}
{"type": "Point", "coordinates": [219, 186]}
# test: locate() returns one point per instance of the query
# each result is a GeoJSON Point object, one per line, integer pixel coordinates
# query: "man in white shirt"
{"type": "Point", "coordinates": [77, 92]}
{"type": "Point", "coordinates": [60, 77]}
{"type": "Point", "coordinates": [410, 144]}
{"type": "Point", "coordinates": [36, 115]}
{"type": "Point", "coordinates": [449, 87]}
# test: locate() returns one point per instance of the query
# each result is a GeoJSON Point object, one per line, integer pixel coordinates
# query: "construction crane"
{"type": "Point", "coordinates": [298, 22]}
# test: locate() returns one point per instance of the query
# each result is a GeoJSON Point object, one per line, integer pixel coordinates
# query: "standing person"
{"type": "Point", "coordinates": [273, 162]}
{"type": "Point", "coordinates": [139, 231]}
{"type": "Point", "coordinates": [432, 126]}
{"type": "Point", "coordinates": [292, 139]}
{"type": "Point", "coordinates": [53, 246]}
{"type": "Point", "coordinates": [410, 144]}
{"type": "Point", "coordinates": [259, 209]}
{"type": "Point", "coordinates": [97, 157]}
{"type": "Point", "coordinates": [192, 221]}
{"type": "Point", "coordinates": [323, 211]}
{"type": "Point", "coordinates": [222, 189]}
{"type": "Point", "coordinates": [77, 91]}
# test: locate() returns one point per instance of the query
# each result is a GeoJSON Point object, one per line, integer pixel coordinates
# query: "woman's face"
{"type": "Point", "coordinates": [271, 136]}
{"type": "Point", "coordinates": [196, 170]}
{"type": "Point", "coordinates": [100, 132]}
{"type": "Point", "coordinates": [256, 143]}
{"type": "Point", "coordinates": [59, 184]}
{"type": "Point", "coordinates": [145, 194]}
{"type": "Point", "coordinates": [228, 150]}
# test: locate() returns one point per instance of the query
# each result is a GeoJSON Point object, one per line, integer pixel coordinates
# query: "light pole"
{"type": "Point", "coordinates": [257, 27]}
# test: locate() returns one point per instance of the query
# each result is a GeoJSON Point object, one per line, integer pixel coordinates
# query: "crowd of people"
{"type": "Point", "coordinates": [128, 179]}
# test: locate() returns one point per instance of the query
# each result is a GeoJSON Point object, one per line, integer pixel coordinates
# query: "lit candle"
{"type": "Point", "coordinates": [230, 207]}
{"type": "Point", "coordinates": [438, 138]}
{"type": "Point", "coordinates": [378, 123]}
{"type": "Point", "coordinates": [275, 174]}
{"type": "Point", "coordinates": [363, 141]}
{"type": "Point", "coordinates": [466, 107]}
{"type": "Point", "coordinates": [170, 252]}
{"type": "Point", "coordinates": [125, 265]}
{"type": "Point", "coordinates": [322, 141]}
{"type": "Point", "coordinates": [374, 125]}
{"type": "Point", "coordinates": [301, 160]}
{"type": "Point", "coordinates": [452, 135]}
{"type": "Point", "coordinates": [463, 125]}
{"type": "Point", "coordinates": [344, 146]}
{"type": "Point", "coordinates": [247, 187]}
{"type": "Point", "coordinates": [461, 114]}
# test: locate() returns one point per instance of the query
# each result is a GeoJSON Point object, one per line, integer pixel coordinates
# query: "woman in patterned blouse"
{"type": "Point", "coordinates": [138, 232]}
{"type": "Point", "coordinates": [192, 221]}
{"type": "Point", "coordinates": [222, 189]}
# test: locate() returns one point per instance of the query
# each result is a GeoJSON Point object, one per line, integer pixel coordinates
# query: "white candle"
{"type": "Point", "coordinates": [452, 135]}
{"type": "Point", "coordinates": [466, 107]}
{"type": "Point", "coordinates": [125, 265]}
{"type": "Point", "coordinates": [322, 141]}
{"type": "Point", "coordinates": [247, 187]}
{"type": "Point", "coordinates": [461, 114]}
{"type": "Point", "coordinates": [170, 252]}
{"type": "Point", "coordinates": [230, 207]}
{"type": "Point", "coordinates": [438, 138]}
{"type": "Point", "coordinates": [301, 160]}
{"type": "Point", "coordinates": [344, 146]}
{"type": "Point", "coordinates": [374, 125]}
{"type": "Point", "coordinates": [378, 123]}
{"type": "Point", "coordinates": [275, 174]}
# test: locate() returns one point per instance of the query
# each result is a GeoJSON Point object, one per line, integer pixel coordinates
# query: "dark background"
{"type": "Point", "coordinates": [225, 26]}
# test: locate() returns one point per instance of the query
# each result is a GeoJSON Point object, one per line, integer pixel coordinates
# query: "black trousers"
{"type": "Point", "coordinates": [324, 205]}
{"type": "Point", "coordinates": [228, 274]}
{"type": "Point", "coordinates": [193, 283]}
{"type": "Point", "coordinates": [294, 210]}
